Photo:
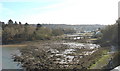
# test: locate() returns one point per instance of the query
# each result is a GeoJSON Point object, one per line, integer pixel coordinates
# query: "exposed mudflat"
{"type": "Point", "coordinates": [56, 55]}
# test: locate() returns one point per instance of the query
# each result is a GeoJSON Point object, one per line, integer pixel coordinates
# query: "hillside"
{"type": "Point", "coordinates": [75, 27]}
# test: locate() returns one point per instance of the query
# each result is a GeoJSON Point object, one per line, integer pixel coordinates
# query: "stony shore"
{"type": "Point", "coordinates": [58, 55]}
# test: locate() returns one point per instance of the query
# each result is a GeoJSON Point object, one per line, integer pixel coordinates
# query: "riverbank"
{"type": "Point", "coordinates": [29, 43]}
{"type": "Point", "coordinates": [36, 42]}
{"type": "Point", "coordinates": [103, 61]}
{"type": "Point", "coordinates": [14, 45]}
{"type": "Point", "coordinates": [109, 60]}
{"type": "Point", "coordinates": [67, 55]}
{"type": "Point", "coordinates": [59, 55]}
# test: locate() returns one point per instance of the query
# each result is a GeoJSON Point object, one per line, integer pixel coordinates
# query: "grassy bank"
{"type": "Point", "coordinates": [103, 61]}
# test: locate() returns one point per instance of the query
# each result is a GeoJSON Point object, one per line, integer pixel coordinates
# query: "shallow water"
{"type": "Point", "coordinates": [7, 61]}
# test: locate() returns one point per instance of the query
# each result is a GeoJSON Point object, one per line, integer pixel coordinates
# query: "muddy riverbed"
{"type": "Point", "coordinates": [62, 55]}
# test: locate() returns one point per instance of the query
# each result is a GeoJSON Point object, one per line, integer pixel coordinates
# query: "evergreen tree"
{"type": "Point", "coordinates": [10, 22]}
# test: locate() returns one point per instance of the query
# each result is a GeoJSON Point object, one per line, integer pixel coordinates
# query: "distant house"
{"type": "Point", "coordinates": [97, 34]}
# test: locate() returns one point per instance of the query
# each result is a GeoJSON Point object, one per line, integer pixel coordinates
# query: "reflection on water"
{"type": "Point", "coordinates": [7, 62]}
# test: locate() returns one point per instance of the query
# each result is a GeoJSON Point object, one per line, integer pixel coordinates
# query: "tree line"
{"type": "Point", "coordinates": [13, 32]}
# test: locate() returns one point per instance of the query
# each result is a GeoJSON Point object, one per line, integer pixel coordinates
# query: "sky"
{"type": "Point", "coordinates": [73, 12]}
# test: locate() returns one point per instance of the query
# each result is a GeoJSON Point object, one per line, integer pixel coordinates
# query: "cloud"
{"type": "Point", "coordinates": [77, 12]}
{"type": "Point", "coordinates": [52, 7]}
{"type": "Point", "coordinates": [73, 12]}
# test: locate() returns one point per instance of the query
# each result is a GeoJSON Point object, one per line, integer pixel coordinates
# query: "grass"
{"type": "Point", "coordinates": [102, 61]}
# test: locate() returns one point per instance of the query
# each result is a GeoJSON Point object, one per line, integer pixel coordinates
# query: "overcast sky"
{"type": "Point", "coordinates": [60, 11]}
